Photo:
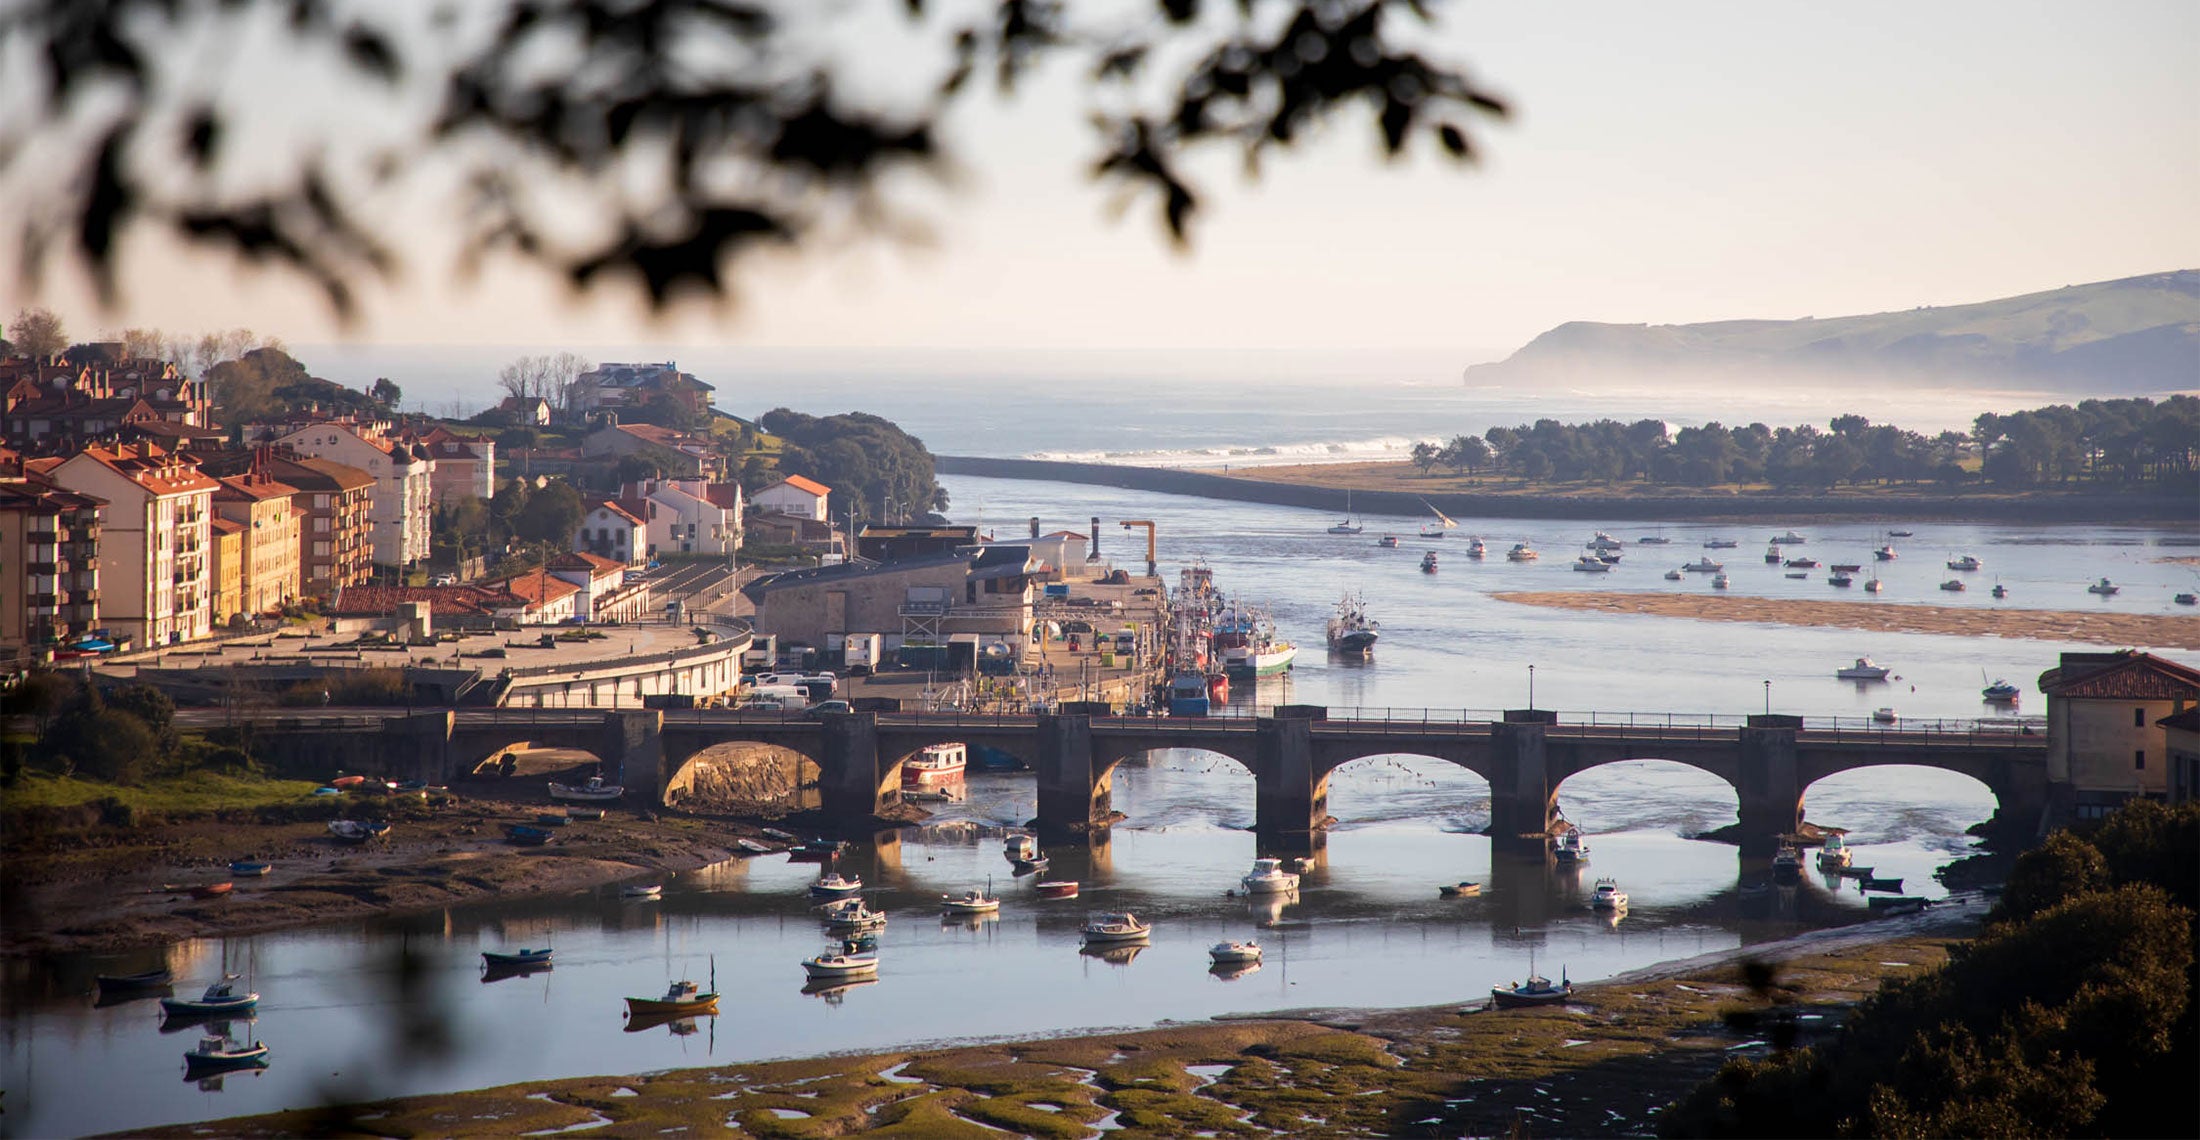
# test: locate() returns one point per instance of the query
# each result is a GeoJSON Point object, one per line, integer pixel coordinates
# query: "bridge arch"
{"type": "Point", "coordinates": [1610, 795]}
{"type": "Point", "coordinates": [1447, 784]}
{"type": "Point", "coordinates": [526, 756]}
{"type": "Point", "coordinates": [1942, 798]}
{"type": "Point", "coordinates": [743, 774]}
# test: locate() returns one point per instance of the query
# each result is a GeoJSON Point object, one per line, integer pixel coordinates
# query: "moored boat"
{"type": "Point", "coordinates": [1772, 556]}
{"type": "Point", "coordinates": [1350, 630]}
{"type": "Point", "coordinates": [1536, 991]}
{"type": "Point", "coordinates": [1720, 581]}
{"type": "Point", "coordinates": [221, 997]}
{"type": "Point", "coordinates": [1057, 889]}
{"type": "Point", "coordinates": [1787, 862]}
{"type": "Point", "coordinates": [1953, 585]}
{"type": "Point", "coordinates": [212, 890]}
{"type": "Point", "coordinates": [1835, 853]}
{"type": "Point", "coordinates": [681, 997]}
{"type": "Point", "coordinates": [1673, 575]}
{"type": "Point", "coordinates": [836, 886]}
{"type": "Point", "coordinates": [1428, 562]}
{"type": "Point", "coordinates": [1388, 542]}
{"type": "Point", "coordinates": [1591, 564]}
{"type": "Point", "coordinates": [1476, 548]}
{"type": "Point", "coordinates": [835, 967]}
{"type": "Point", "coordinates": [1188, 694]}
{"type": "Point", "coordinates": [1722, 544]}
{"type": "Point", "coordinates": [594, 791]}
{"type": "Point", "coordinates": [356, 831]}
{"type": "Point", "coordinates": [1789, 539]}
{"type": "Point", "coordinates": [1885, 715]}
{"type": "Point", "coordinates": [1522, 552]}
{"type": "Point", "coordinates": [1885, 553]}
{"type": "Point", "coordinates": [649, 891]}
{"type": "Point", "coordinates": [1967, 562]}
{"type": "Point", "coordinates": [250, 868]}
{"type": "Point", "coordinates": [522, 835]}
{"type": "Point", "coordinates": [2104, 588]}
{"type": "Point", "coordinates": [970, 902]}
{"type": "Point", "coordinates": [936, 763]}
{"type": "Point", "coordinates": [1019, 846]}
{"type": "Point", "coordinates": [1801, 564]}
{"type": "Point", "coordinates": [1460, 890]}
{"type": "Point", "coordinates": [1703, 566]}
{"type": "Point", "coordinates": [1268, 877]}
{"type": "Point", "coordinates": [1234, 953]}
{"type": "Point", "coordinates": [149, 980]}
{"type": "Point", "coordinates": [520, 959]}
{"type": "Point", "coordinates": [1569, 847]}
{"type": "Point", "coordinates": [216, 1053]}
{"type": "Point", "coordinates": [1865, 669]}
{"type": "Point", "coordinates": [1608, 896]}
{"type": "Point", "coordinates": [1115, 926]}
{"type": "Point", "coordinates": [1891, 886]}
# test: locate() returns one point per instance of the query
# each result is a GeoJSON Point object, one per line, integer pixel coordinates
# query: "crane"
{"type": "Point", "coordinates": [1150, 551]}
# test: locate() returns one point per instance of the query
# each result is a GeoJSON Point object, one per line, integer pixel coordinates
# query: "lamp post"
{"type": "Point", "coordinates": [1768, 696]}
{"type": "Point", "coordinates": [1531, 688]}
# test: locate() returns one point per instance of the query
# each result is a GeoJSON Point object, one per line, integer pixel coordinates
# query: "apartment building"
{"type": "Point", "coordinates": [404, 481]}
{"type": "Point", "coordinates": [270, 516]}
{"type": "Point", "coordinates": [49, 565]}
{"type": "Point", "coordinates": [465, 465]}
{"type": "Point", "coordinates": [335, 508]}
{"type": "Point", "coordinates": [156, 567]}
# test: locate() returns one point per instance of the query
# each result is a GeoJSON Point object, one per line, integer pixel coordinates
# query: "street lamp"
{"type": "Point", "coordinates": [1531, 688]}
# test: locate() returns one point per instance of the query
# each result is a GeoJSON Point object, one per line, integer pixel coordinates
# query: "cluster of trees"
{"type": "Point", "coordinates": [545, 516]}
{"type": "Point", "coordinates": [2072, 1015]}
{"type": "Point", "coordinates": [2130, 443]}
{"type": "Point", "coordinates": [120, 738]}
{"type": "Point", "coordinates": [267, 382]}
{"type": "Point", "coordinates": [873, 467]}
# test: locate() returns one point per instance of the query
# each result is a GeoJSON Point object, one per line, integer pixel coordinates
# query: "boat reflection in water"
{"type": "Point", "coordinates": [681, 1024]}
{"type": "Point", "coordinates": [1267, 909]}
{"type": "Point", "coordinates": [1232, 971]}
{"type": "Point", "coordinates": [495, 972]}
{"type": "Point", "coordinates": [836, 991]}
{"type": "Point", "coordinates": [1113, 953]}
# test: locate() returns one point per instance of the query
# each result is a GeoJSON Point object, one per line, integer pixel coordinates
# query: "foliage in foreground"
{"type": "Point", "coordinates": [2072, 1015]}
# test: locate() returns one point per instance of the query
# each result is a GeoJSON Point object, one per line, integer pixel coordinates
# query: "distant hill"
{"type": "Point", "coordinates": [2135, 337]}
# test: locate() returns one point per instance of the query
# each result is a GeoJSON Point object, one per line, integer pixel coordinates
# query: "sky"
{"type": "Point", "coordinates": [1668, 162]}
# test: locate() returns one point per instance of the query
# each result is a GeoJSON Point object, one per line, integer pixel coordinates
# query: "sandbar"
{"type": "Point", "coordinates": [2160, 631]}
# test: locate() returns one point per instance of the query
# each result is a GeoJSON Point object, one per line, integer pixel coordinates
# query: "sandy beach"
{"type": "Point", "coordinates": [2092, 628]}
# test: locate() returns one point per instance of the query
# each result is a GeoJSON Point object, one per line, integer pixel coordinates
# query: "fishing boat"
{"type": "Point", "coordinates": [2001, 692]}
{"type": "Point", "coordinates": [837, 967]}
{"type": "Point", "coordinates": [1591, 564]}
{"type": "Point", "coordinates": [681, 998]}
{"type": "Point", "coordinates": [1536, 991]}
{"type": "Point", "coordinates": [125, 983]}
{"type": "Point", "coordinates": [1721, 544]}
{"type": "Point", "coordinates": [1967, 562]}
{"type": "Point", "coordinates": [1269, 877]}
{"type": "Point", "coordinates": [1884, 553]}
{"type": "Point", "coordinates": [250, 868]}
{"type": "Point", "coordinates": [1865, 669]}
{"type": "Point", "coordinates": [1189, 694]}
{"type": "Point", "coordinates": [1839, 579]}
{"type": "Point", "coordinates": [1249, 645]}
{"type": "Point", "coordinates": [1019, 847]}
{"type": "Point", "coordinates": [1428, 562]}
{"type": "Point", "coordinates": [524, 836]}
{"type": "Point", "coordinates": [1787, 862]}
{"type": "Point", "coordinates": [1772, 556]}
{"type": "Point", "coordinates": [1476, 548]}
{"type": "Point", "coordinates": [651, 891]}
{"type": "Point", "coordinates": [1388, 542]}
{"type": "Point", "coordinates": [221, 997]}
{"type": "Point", "coordinates": [1703, 566]}
{"type": "Point", "coordinates": [1673, 575]}
{"type": "Point", "coordinates": [1801, 564]}
{"type": "Point", "coordinates": [1521, 552]}
{"type": "Point", "coordinates": [1057, 889]}
{"type": "Point", "coordinates": [1720, 581]}
{"type": "Point", "coordinates": [1603, 543]}
{"type": "Point", "coordinates": [859, 917]}
{"type": "Point", "coordinates": [1351, 631]}
{"type": "Point", "coordinates": [836, 886]}
{"type": "Point", "coordinates": [1789, 539]}
{"type": "Point", "coordinates": [2000, 591]}
{"type": "Point", "coordinates": [1436, 529]}
{"type": "Point", "coordinates": [1953, 585]}
{"type": "Point", "coordinates": [2104, 588]}
{"type": "Point", "coordinates": [1350, 525]}
{"type": "Point", "coordinates": [593, 792]}
{"type": "Point", "coordinates": [1115, 927]}
{"type": "Point", "coordinates": [1234, 953]}
{"type": "Point", "coordinates": [521, 959]}
{"type": "Point", "coordinates": [936, 763]}
{"type": "Point", "coordinates": [1460, 890]}
{"type": "Point", "coordinates": [1608, 896]}
{"type": "Point", "coordinates": [970, 902]}
{"type": "Point", "coordinates": [216, 1053]}
{"type": "Point", "coordinates": [1569, 847]}
{"type": "Point", "coordinates": [1835, 853]}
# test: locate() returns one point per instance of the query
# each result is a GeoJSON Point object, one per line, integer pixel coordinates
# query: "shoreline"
{"type": "Point", "coordinates": [2158, 631]}
{"type": "Point", "coordinates": [1322, 486]}
{"type": "Point", "coordinates": [1605, 1063]}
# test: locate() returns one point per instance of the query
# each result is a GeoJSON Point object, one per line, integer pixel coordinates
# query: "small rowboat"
{"type": "Point", "coordinates": [520, 959]}
{"type": "Point", "coordinates": [526, 836]}
{"type": "Point", "coordinates": [752, 847]}
{"type": "Point", "coordinates": [589, 815]}
{"type": "Point", "coordinates": [221, 997]}
{"type": "Point", "coordinates": [680, 998]}
{"type": "Point", "coordinates": [149, 980]}
{"type": "Point", "coordinates": [218, 1054]}
{"type": "Point", "coordinates": [775, 833]}
{"type": "Point", "coordinates": [212, 890]}
{"type": "Point", "coordinates": [1852, 872]}
{"type": "Point", "coordinates": [1460, 890]}
{"type": "Point", "coordinates": [970, 902]}
{"type": "Point", "coordinates": [250, 868]}
{"type": "Point", "coordinates": [1234, 953]}
{"type": "Point", "coordinates": [346, 783]}
{"type": "Point", "coordinates": [1891, 886]}
{"type": "Point", "coordinates": [1057, 889]}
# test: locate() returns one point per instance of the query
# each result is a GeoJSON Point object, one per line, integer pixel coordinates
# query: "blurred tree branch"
{"type": "Point", "coordinates": [649, 143]}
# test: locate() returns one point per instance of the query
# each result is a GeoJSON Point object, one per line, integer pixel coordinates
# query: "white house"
{"type": "Point", "coordinates": [156, 546]}
{"type": "Point", "coordinates": [688, 516]}
{"type": "Point", "coordinates": [795, 495]}
{"type": "Point", "coordinates": [613, 530]}
{"type": "Point", "coordinates": [404, 482]}
{"type": "Point", "coordinates": [537, 598]}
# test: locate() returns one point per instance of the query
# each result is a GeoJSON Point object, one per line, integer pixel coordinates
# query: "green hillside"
{"type": "Point", "coordinates": [2136, 336]}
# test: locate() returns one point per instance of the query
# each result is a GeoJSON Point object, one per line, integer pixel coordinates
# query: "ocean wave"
{"type": "Point", "coordinates": [1242, 455]}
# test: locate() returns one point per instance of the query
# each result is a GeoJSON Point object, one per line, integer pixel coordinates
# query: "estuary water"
{"type": "Point", "coordinates": [357, 1011]}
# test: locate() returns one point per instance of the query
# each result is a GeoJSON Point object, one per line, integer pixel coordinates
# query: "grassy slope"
{"type": "Point", "coordinates": [192, 793]}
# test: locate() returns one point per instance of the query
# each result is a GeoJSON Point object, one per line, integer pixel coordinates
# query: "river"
{"type": "Point", "coordinates": [366, 1010]}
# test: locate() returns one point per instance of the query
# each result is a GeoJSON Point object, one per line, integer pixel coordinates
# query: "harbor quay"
{"type": "Point", "coordinates": [1770, 761]}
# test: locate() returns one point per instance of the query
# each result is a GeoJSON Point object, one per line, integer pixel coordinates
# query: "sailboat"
{"type": "Point", "coordinates": [1350, 525]}
{"type": "Point", "coordinates": [1436, 529]}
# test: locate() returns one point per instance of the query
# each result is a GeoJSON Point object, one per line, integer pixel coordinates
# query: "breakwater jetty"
{"type": "Point", "coordinates": [1785, 506]}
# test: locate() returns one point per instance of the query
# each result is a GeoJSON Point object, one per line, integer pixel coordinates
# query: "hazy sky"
{"type": "Point", "coordinates": [1669, 162]}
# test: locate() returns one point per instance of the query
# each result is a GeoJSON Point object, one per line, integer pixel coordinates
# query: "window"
{"type": "Point", "coordinates": [2138, 718]}
{"type": "Point", "coordinates": [2139, 759]}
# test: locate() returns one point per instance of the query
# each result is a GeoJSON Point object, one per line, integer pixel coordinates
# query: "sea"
{"type": "Point", "coordinates": [358, 1010]}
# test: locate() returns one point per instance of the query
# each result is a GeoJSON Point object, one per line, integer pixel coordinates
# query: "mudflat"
{"type": "Point", "coordinates": [2086, 627]}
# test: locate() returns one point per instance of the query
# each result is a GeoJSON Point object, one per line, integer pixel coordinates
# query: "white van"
{"type": "Point", "coordinates": [778, 698]}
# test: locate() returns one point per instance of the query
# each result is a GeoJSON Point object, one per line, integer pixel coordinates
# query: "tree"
{"type": "Point", "coordinates": [37, 333]}
{"type": "Point", "coordinates": [385, 393]}
{"type": "Point", "coordinates": [551, 514]}
{"type": "Point", "coordinates": [1465, 453]}
{"type": "Point", "coordinates": [1425, 454]}
{"type": "Point", "coordinates": [673, 138]}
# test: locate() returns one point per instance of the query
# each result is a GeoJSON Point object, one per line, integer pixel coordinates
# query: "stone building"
{"type": "Point", "coordinates": [2105, 739]}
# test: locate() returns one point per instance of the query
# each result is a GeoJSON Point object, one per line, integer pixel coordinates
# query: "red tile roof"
{"type": "Point", "coordinates": [536, 587]}
{"type": "Point", "coordinates": [596, 565]}
{"type": "Point", "coordinates": [804, 483]}
{"type": "Point", "coordinates": [2127, 675]}
{"type": "Point", "coordinates": [622, 512]}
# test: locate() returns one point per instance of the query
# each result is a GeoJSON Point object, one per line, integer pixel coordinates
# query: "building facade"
{"type": "Point", "coordinates": [404, 482]}
{"type": "Point", "coordinates": [2105, 740]}
{"type": "Point", "coordinates": [465, 465]}
{"type": "Point", "coordinates": [690, 516]}
{"type": "Point", "coordinates": [335, 509]}
{"type": "Point", "coordinates": [226, 543]}
{"type": "Point", "coordinates": [983, 594]}
{"type": "Point", "coordinates": [49, 565]}
{"type": "Point", "coordinates": [156, 565]}
{"type": "Point", "coordinates": [268, 512]}
{"type": "Point", "coordinates": [613, 530]}
{"type": "Point", "coordinates": [795, 495]}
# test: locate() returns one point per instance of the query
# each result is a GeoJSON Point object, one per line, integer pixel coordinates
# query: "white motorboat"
{"type": "Point", "coordinates": [1388, 542]}
{"type": "Point", "coordinates": [935, 763]}
{"type": "Point", "coordinates": [1603, 543]}
{"type": "Point", "coordinates": [1428, 562]}
{"type": "Point", "coordinates": [1885, 553]}
{"type": "Point", "coordinates": [970, 902]}
{"type": "Point", "coordinates": [2104, 588]}
{"type": "Point", "coordinates": [1608, 896]}
{"type": "Point", "coordinates": [1789, 539]}
{"type": "Point", "coordinates": [1569, 847]}
{"type": "Point", "coordinates": [1269, 877]}
{"type": "Point", "coordinates": [1591, 564]}
{"type": "Point", "coordinates": [1835, 853]}
{"type": "Point", "coordinates": [1885, 715]}
{"type": "Point", "coordinates": [834, 967]}
{"type": "Point", "coordinates": [1476, 548]}
{"type": "Point", "coordinates": [1967, 562]}
{"type": "Point", "coordinates": [216, 1053]}
{"type": "Point", "coordinates": [1721, 544]}
{"type": "Point", "coordinates": [221, 997]}
{"type": "Point", "coordinates": [836, 886]}
{"type": "Point", "coordinates": [1115, 926]}
{"type": "Point", "coordinates": [1720, 581]}
{"type": "Point", "coordinates": [1673, 575]}
{"type": "Point", "coordinates": [860, 918]}
{"type": "Point", "coordinates": [839, 907]}
{"type": "Point", "coordinates": [1703, 566]}
{"type": "Point", "coordinates": [1234, 953]}
{"type": "Point", "coordinates": [1865, 669]}
{"type": "Point", "coordinates": [1522, 552]}
{"type": "Point", "coordinates": [595, 791]}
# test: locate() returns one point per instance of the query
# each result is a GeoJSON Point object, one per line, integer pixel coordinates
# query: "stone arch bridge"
{"type": "Point", "coordinates": [1769, 761]}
